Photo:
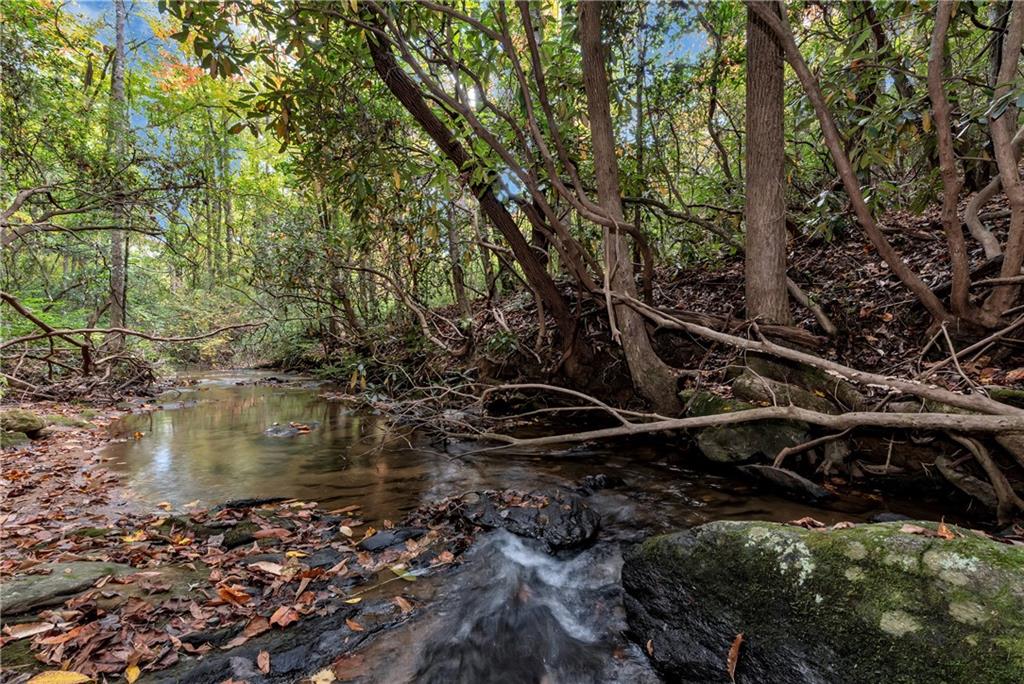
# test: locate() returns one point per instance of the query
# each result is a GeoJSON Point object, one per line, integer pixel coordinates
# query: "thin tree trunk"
{"type": "Point", "coordinates": [651, 376]}
{"type": "Point", "coordinates": [1002, 128]}
{"type": "Point", "coordinates": [458, 276]}
{"type": "Point", "coordinates": [117, 146]}
{"type": "Point", "coordinates": [961, 280]}
{"type": "Point", "coordinates": [408, 94]}
{"type": "Point", "coordinates": [765, 253]}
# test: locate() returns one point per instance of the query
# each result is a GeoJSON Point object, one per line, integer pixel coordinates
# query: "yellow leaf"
{"type": "Point", "coordinates": [397, 177]}
{"type": "Point", "coordinates": [132, 673]}
{"type": "Point", "coordinates": [354, 600]}
{"type": "Point", "coordinates": [60, 677]}
{"type": "Point", "coordinates": [136, 536]}
{"type": "Point", "coordinates": [926, 121]}
{"type": "Point", "coordinates": [296, 554]}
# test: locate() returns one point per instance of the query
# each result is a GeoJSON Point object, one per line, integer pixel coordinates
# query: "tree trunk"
{"type": "Point", "coordinates": [1002, 128]}
{"type": "Point", "coordinates": [117, 146]}
{"type": "Point", "coordinates": [458, 276]}
{"type": "Point", "coordinates": [408, 94]}
{"type": "Point", "coordinates": [651, 376]}
{"type": "Point", "coordinates": [765, 251]}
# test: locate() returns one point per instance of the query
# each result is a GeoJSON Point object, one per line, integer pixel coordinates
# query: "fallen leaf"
{"type": "Point", "coordinates": [136, 536]}
{"type": "Point", "coordinates": [734, 657]}
{"type": "Point", "coordinates": [258, 625]}
{"type": "Point", "coordinates": [445, 557]}
{"type": "Point", "coordinates": [166, 505]}
{"type": "Point", "coordinates": [60, 677]}
{"type": "Point", "coordinates": [263, 662]}
{"type": "Point", "coordinates": [284, 616]}
{"type": "Point", "coordinates": [132, 673]}
{"type": "Point", "coordinates": [807, 522]}
{"type": "Point", "coordinates": [234, 594]}
{"type": "Point", "coordinates": [353, 600]}
{"type": "Point", "coordinates": [1016, 375]}
{"type": "Point", "coordinates": [943, 531]}
{"type": "Point", "coordinates": [402, 572]}
{"type": "Point", "coordinates": [27, 629]}
{"type": "Point", "coordinates": [296, 554]}
{"type": "Point", "coordinates": [402, 604]}
{"type": "Point", "coordinates": [345, 530]}
{"type": "Point", "coordinates": [650, 647]}
{"type": "Point", "coordinates": [278, 532]}
{"type": "Point", "coordinates": [268, 567]}
{"type": "Point", "coordinates": [353, 625]}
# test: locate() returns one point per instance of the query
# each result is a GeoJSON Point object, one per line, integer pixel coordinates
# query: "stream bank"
{"type": "Point", "coordinates": [561, 602]}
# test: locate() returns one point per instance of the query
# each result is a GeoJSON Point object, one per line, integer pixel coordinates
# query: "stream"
{"type": "Point", "coordinates": [512, 613]}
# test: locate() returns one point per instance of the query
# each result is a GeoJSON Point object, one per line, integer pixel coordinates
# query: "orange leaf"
{"type": "Point", "coordinates": [278, 532]}
{"type": "Point", "coordinates": [234, 594]}
{"type": "Point", "coordinates": [353, 625]}
{"type": "Point", "coordinates": [944, 532]}
{"type": "Point", "coordinates": [263, 662]}
{"type": "Point", "coordinates": [284, 616]}
{"type": "Point", "coordinates": [734, 657]}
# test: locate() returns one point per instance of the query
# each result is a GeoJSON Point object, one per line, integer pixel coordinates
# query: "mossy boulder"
{"type": "Point", "coordinates": [20, 420]}
{"type": "Point", "coordinates": [814, 380]}
{"type": "Point", "coordinates": [770, 392]}
{"type": "Point", "coordinates": [869, 603]}
{"type": "Point", "coordinates": [13, 439]}
{"type": "Point", "coordinates": [61, 582]}
{"type": "Point", "coordinates": [744, 441]}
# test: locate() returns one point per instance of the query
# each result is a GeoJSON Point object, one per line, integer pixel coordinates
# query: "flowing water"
{"type": "Point", "coordinates": [512, 613]}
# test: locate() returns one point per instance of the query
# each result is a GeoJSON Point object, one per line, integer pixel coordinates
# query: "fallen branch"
{"type": "Point", "coordinates": [917, 421]}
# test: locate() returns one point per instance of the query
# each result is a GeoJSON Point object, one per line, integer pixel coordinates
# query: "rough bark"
{"type": "Point", "coordinates": [951, 182]}
{"type": "Point", "coordinates": [774, 15]}
{"type": "Point", "coordinates": [1003, 126]}
{"type": "Point", "coordinates": [409, 95]}
{"type": "Point", "coordinates": [651, 376]}
{"type": "Point", "coordinates": [765, 251]}
{"type": "Point", "coordinates": [117, 146]}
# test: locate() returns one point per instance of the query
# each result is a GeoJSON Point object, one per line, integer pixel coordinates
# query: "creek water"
{"type": "Point", "coordinates": [513, 613]}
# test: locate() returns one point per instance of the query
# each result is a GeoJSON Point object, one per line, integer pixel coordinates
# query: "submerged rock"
{"type": "Point", "coordinates": [557, 518]}
{"type": "Point", "coordinates": [291, 429]}
{"type": "Point", "coordinates": [20, 420]}
{"type": "Point", "coordinates": [787, 481]}
{"type": "Point", "coordinates": [21, 594]}
{"type": "Point", "coordinates": [388, 538]}
{"type": "Point", "coordinates": [870, 603]}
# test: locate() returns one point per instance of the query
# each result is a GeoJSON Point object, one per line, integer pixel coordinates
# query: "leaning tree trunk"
{"type": "Point", "coordinates": [651, 376]}
{"type": "Point", "coordinates": [116, 144]}
{"type": "Point", "coordinates": [765, 251]}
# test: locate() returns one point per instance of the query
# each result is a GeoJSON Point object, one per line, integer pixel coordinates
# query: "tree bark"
{"type": "Point", "coordinates": [651, 376]}
{"type": "Point", "coordinates": [774, 15]}
{"type": "Point", "coordinates": [961, 279]}
{"type": "Point", "coordinates": [1003, 127]}
{"type": "Point", "coordinates": [458, 275]}
{"type": "Point", "coordinates": [765, 252]}
{"type": "Point", "coordinates": [117, 132]}
{"type": "Point", "coordinates": [409, 95]}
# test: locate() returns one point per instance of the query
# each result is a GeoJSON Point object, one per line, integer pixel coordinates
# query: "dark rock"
{"type": "Point", "coordinates": [239, 504]}
{"type": "Point", "coordinates": [744, 441]}
{"type": "Point", "coordinates": [863, 604]}
{"type": "Point", "coordinates": [787, 481]}
{"type": "Point", "coordinates": [324, 558]}
{"type": "Point", "coordinates": [388, 538]}
{"type": "Point", "coordinates": [886, 516]}
{"type": "Point", "coordinates": [559, 519]}
{"type": "Point", "coordinates": [589, 484]}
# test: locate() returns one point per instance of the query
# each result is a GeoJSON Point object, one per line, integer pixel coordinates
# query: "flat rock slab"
{"type": "Point", "coordinates": [27, 592]}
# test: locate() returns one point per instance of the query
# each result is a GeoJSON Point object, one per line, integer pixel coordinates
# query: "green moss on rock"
{"type": "Point", "coordinates": [864, 604]}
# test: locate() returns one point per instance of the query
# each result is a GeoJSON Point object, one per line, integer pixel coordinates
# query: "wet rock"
{"type": "Point", "coordinates": [291, 430]}
{"type": "Point", "coordinates": [21, 594]}
{"type": "Point", "coordinates": [887, 516]}
{"type": "Point", "coordinates": [388, 538]}
{"type": "Point", "coordinates": [869, 603]}
{"type": "Point", "coordinates": [302, 649]}
{"type": "Point", "coordinates": [559, 519]}
{"type": "Point", "coordinates": [238, 504]}
{"type": "Point", "coordinates": [741, 442]}
{"type": "Point", "coordinates": [764, 390]}
{"type": "Point", "coordinates": [787, 481]}
{"type": "Point", "coordinates": [20, 420]}
{"type": "Point", "coordinates": [589, 484]}
{"type": "Point", "coordinates": [324, 558]}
